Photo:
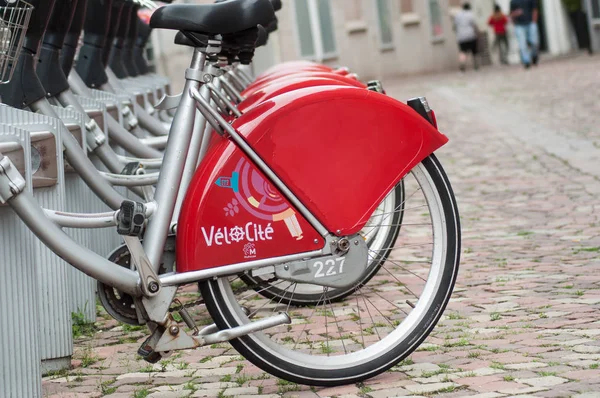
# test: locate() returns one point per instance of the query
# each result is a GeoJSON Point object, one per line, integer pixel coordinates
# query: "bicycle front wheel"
{"type": "Point", "coordinates": [381, 322]}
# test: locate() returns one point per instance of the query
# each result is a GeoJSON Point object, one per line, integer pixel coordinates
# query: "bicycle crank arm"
{"type": "Point", "coordinates": [174, 338]}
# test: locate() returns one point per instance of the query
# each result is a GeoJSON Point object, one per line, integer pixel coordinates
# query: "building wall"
{"type": "Point", "coordinates": [357, 36]}
{"type": "Point", "coordinates": [356, 30]}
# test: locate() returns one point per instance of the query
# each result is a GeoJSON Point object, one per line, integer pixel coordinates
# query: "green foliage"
{"type": "Point", "coordinates": [495, 316]}
{"type": "Point", "coordinates": [81, 327]}
{"type": "Point", "coordinates": [143, 393]}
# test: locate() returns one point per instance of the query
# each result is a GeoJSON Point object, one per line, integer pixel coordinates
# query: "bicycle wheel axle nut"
{"type": "Point", "coordinates": [153, 287]}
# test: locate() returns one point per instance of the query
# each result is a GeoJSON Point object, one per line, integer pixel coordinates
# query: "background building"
{"type": "Point", "coordinates": [386, 38]}
{"type": "Point", "coordinates": [375, 38]}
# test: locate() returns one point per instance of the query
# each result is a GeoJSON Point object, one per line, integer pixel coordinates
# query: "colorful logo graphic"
{"type": "Point", "coordinates": [249, 250]}
{"type": "Point", "coordinates": [229, 182]}
{"type": "Point", "coordinates": [258, 197]}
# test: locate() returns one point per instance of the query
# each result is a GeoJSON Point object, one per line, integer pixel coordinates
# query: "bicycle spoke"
{"type": "Point", "coordinates": [398, 280]}
{"type": "Point", "coordinates": [404, 201]}
{"type": "Point", "coordinates": [383, 298]}
{"type": "Point", "coordinates": [378, 310]}
{"type": "Point", "coordinates": [403, 268]}
{"type": "Point", "coordinates": [270, 286]}
{"type": "Point", "coordinates": [369, 312]}
{"type": "Point", "coordinates": [291, 298]}
{"type": "Point", "coordinates": [360, 322]}
{"type": "Point", "coordinates": [325, 314]}
{"type": "Point", "coordinates": [282, 297]}
{"type": "Point", "coordinates": [337, 325]}
{"type": "Point", "coordinates": [306, 324]}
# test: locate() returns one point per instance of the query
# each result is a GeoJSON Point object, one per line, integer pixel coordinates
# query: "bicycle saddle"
{"type": "Point", "coordinates": [212, 19]}
{"type": "Point", "coordinates": [276, 4]}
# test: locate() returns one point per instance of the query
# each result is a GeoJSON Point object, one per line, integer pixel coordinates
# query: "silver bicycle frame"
{"type": "Point", "coordinates": [167, 191]}
{"type": "Point", "coordinates": [173, 166]}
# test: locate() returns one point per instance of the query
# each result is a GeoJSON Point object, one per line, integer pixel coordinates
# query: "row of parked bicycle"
{"type": "Point", "coordinates": [308, 206]}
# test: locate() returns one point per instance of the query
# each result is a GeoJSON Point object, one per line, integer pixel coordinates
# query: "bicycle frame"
{"type": "Point", "coordinates": [42, 223]}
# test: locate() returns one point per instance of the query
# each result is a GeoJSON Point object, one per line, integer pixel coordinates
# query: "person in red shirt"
{"type": "Point", "coordinates": [498, 21]}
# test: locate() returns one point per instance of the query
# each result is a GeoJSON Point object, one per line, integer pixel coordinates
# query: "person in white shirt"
{"type": "Point", "coordinates": [466, 35]}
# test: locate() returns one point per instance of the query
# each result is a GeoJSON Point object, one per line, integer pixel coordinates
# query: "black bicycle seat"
{"type": "Point", "coordinates": [263, 37]}
{"type": "Point", "coordinates": [276, 4]}
{"type": "Point", "coordinates": [212, 19]}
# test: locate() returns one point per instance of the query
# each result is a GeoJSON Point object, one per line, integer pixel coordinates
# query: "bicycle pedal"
{"type": "Point", "coordinates": [131, 168]}
{"type": "Point", "coordinates": [147, 352]}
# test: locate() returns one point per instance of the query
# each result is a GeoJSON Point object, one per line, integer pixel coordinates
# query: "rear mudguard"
{"type": "Point", "coordinates": [339, 149]}
{"type": "Point", "coordinates": [284, 86]}
{"type": "Point", "coordinates": [251, 89]}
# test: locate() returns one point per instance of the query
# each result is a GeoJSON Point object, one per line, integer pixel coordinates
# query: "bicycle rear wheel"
{"type": "Point", "coordinates": [380, 322]}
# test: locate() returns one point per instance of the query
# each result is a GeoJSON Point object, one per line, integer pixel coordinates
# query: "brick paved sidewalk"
{"type": "Point", "coordinates": [524, 317]}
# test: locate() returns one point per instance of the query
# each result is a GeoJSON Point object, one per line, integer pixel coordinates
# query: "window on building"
{"type": "Point", "coordinates": [326, 26]}
{"type": "Point", "coordinates": [315, 29]}
{"type": "Point", "coordinates": [386, 36]}
{"type": "Point", "coordinates": [406, 7]}
{"type": "Point", "coordinates": [435, 15]}
{"type": "Point", "coordinates": [596, 9]}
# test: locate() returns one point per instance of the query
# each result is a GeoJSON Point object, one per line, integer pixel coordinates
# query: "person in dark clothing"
{"type": "Point", "coordinates": [524, 14]}
{"type": "Point", "coordinates": [498, 21]}
{"type": "Point", "coordinates": [579, 21]}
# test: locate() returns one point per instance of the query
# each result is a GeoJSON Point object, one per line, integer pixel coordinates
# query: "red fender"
{"type": "Point", "coordinates": [306, 75]}
{"type": "Point", "coordinates": [283, 86]}
{"type": "Point", "coordinates": [356, 145]}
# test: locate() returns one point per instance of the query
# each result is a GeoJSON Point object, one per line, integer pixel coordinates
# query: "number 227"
{"type": "Point", "coordinates": [331, 267]}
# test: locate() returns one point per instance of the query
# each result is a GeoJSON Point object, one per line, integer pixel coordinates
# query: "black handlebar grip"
{"type": "Point", "coordinates": [97, 22]}
{"type": "Point", "coordinates": [59, 23]}
{"type": "Point", "coordinates": [37, 23]}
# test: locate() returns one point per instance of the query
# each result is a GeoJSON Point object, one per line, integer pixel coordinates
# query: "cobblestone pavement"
{"type": "Point", "coordinates": [524, 161]}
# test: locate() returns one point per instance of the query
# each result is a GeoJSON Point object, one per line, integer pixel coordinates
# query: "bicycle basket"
{"type": "Point", "coordinates": [14, 20]}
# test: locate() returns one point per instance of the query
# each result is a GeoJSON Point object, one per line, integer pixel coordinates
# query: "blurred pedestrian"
{"type": "Point", "coordinates": [524, 14]}
{"type": "Point", "coordinates": [498, 21]}
{"type": "Point", "coordinates": [579, 21]}
{"type": "Point", "coordinates": [466, 35]}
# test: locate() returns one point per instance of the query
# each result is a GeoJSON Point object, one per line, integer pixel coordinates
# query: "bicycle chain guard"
{"type": "Point", "coordinates": [344, 268]}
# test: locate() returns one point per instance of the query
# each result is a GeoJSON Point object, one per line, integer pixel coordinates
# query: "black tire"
{"type": "Point", "coordinates": [283, 362]}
